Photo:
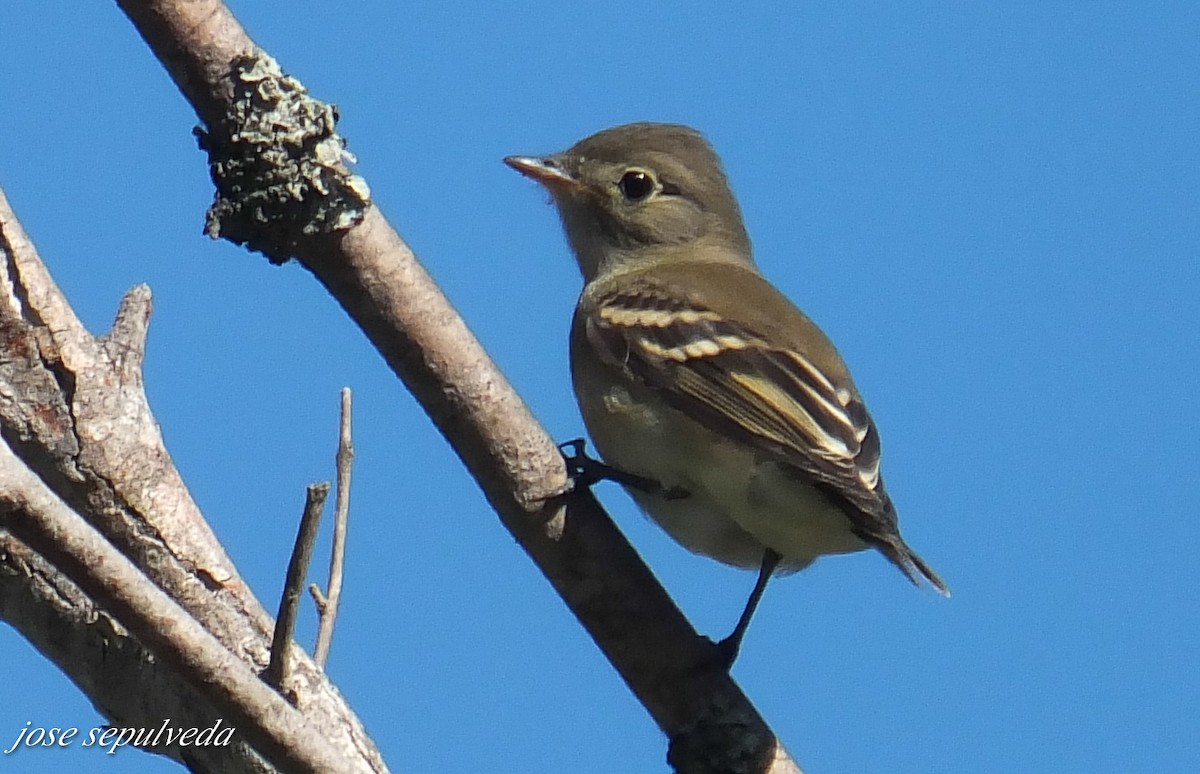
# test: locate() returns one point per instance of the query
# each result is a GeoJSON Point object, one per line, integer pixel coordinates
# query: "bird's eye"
{"type": "Point", "coordinates": [636, 185]}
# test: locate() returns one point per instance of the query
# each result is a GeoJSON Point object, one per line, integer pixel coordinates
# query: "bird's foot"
{"type": "Point", "coordinates": [721, 654]}
{"type": "Point", "coordinates": [586, 471]}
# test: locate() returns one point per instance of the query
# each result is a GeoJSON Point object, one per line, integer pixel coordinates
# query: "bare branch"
{"type": "Point", "coordinates": [276, 673]}
{"type": "Point", "coordinates": [34, 515]}
{"type": "Point", "coordinates": [73, 409]}
{"type": "Point", "coordinates": [328, 602]}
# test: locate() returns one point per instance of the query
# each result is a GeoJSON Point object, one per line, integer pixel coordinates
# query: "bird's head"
{"type": "Point", "coordinates": [639, 191]}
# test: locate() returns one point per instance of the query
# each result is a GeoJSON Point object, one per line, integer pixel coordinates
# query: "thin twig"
{"type": "Point", "coordinates": [328, 605]}
{"type": "Point", "coordinates": [318, 597]}
{"type": "Point", "coordinates": [293, 587]}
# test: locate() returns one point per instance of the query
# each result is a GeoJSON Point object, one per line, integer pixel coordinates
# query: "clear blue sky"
{"type": "Point", "coordinates": [992, 208]}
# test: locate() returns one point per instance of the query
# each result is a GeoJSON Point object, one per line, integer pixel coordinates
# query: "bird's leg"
{"type": "Point", "coordinates": [728, 648]}
{"type": "Point", "coordinates": [585, 471]}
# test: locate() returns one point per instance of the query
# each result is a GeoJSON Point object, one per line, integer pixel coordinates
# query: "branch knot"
{"type": "Point", "coordinates": [280, 168]}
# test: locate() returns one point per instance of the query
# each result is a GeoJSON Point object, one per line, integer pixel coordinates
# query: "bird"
{"type": "Point", "coordinates": [726, 413]}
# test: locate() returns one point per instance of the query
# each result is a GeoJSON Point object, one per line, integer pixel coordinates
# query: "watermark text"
{"type": "Point", "coordinates": [111, 738]}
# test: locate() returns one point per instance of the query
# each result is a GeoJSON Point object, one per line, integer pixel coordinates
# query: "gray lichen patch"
{"type": "Point", "coordinates": [279, 166]}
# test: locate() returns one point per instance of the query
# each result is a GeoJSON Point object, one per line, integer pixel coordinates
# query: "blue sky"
{"type": "Point", "coordinates": [990, 207]}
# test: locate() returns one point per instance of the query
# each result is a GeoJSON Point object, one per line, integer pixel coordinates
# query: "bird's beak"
{"type": "Point", "coordinates": [546, 171]}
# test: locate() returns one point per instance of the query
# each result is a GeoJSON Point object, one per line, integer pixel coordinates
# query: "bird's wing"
{"type": "Point", "coordinates": [735, 381]}
{"type": "Point", "coordinates": [767, 394]}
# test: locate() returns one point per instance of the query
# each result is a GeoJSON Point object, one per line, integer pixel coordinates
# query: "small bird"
{"type": "Point", "coordinates": [727, 414]}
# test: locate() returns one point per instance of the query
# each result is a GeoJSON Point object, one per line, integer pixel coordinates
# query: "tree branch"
{"type": "Point", "coordinates": [73, 410]}
{"type": "Point", "coordinates": [329, 601]}
{"type": "Point", "coordinates": [293, 585]}
{"type": "Point", "coordinates": [34, 515]}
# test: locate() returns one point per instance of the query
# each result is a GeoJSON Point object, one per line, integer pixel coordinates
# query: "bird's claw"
{"type": "Point", "coordinates": [586, 471]}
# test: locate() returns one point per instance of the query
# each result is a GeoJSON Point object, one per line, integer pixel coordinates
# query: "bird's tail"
{"type": "Point", "coordinates": [913, 566]}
